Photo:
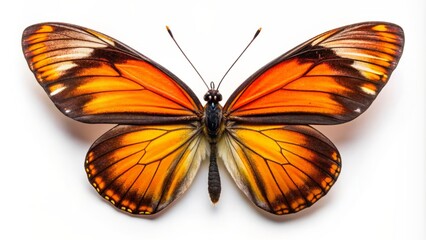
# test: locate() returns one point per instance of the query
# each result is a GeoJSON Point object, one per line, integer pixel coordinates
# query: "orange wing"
{"type": "Point", "coordinates": [280, 168]}
{"type": "Point", "coordinates": [329, 79]}
{"type": "Point", "coordinates": [94, 78]}
{"type": "Point", "coordinates": [137, 169]}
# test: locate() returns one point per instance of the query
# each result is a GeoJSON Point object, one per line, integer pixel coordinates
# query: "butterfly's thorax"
{"type": "Point", "coordinates": [212, 120]}
{"type": "Point", "coordinates": [213, 124]}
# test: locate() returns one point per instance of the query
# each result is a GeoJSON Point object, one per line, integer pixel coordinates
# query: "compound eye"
{"type": "Point", "coordinates": [219, 97]}
{"type": "Point", "coordinates": [206, 97]}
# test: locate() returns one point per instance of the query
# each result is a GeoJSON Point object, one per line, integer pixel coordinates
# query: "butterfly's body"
{"type": "Point", "coordinates": [261, 134]}
{"type": "Point", "coordinates": [213, 128]}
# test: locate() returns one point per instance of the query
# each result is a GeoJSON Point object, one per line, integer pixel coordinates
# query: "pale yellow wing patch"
{"type": "Point", "coordinates": [282, 169]}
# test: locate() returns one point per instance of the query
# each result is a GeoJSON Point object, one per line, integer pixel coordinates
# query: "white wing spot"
{"type": "Point", "coordinates": [368, 90]}
{"type": "Point", "coordinates": [79, 53]}
{"type": "Point", "coordinates": [65, 66]}
{"type": "Point", "coordinates": [58, 90]}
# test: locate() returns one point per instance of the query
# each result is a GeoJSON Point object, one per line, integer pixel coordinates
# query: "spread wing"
{"type": "Point", "coordinates": [139, 171]}
{"type": "Point", "coordinates": [96, 79]}
{"type": "Point", "coordinates": [330, 79]}
{"type": "Point", "coordinates": [281, 168]}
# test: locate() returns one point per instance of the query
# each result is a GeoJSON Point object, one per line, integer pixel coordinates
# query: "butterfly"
{"type": "Point", "coordinates": [262, 134]}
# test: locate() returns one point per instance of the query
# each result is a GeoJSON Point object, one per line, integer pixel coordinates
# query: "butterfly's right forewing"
{"type": "Point", "coordinates": [96, 79]}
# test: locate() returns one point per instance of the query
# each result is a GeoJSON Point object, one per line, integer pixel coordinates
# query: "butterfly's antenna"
{"type": "Point", "coordinates": [171, 35]}
{"type": "Point", "coordinates": [248, 45]}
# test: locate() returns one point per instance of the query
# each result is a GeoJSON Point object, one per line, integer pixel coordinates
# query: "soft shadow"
{"type": "Point", "coordinates": [83, 132]}
{"type": "Point", "coordinates": [359, 127]}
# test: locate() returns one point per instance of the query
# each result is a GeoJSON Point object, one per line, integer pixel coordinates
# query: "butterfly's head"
{"type": "Point", "coordinates": [213, 96]}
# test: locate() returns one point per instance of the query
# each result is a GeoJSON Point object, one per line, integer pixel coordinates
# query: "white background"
{"type": "Point", "coordinates": [381, 192]}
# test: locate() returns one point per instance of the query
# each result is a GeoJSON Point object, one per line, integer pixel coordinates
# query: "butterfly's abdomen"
{"type": "Point", "coordinates": [214, 177]}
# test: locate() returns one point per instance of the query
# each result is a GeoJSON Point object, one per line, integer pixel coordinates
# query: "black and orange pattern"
{"type": "Point", "coordinates": [282, 164]}
{"type": "Point", "coordinates": [329, 79]}
{"type": "Point", "coordinates": [94, 78]}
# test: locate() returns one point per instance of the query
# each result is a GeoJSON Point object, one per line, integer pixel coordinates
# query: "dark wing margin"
{"type": "Point", "coordinates": [94, 78]}
{"type": "Point", "coordinates": [330, 79]}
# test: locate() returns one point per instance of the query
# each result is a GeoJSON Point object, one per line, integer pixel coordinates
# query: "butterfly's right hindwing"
{"type": "Point", "coordinates": [142, 169]}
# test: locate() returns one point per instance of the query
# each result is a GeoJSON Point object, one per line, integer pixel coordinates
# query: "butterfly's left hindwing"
{"type": "Point", "coordinates": [96, 79]}
{"type": "Point", "coordinates": [142, 169]}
